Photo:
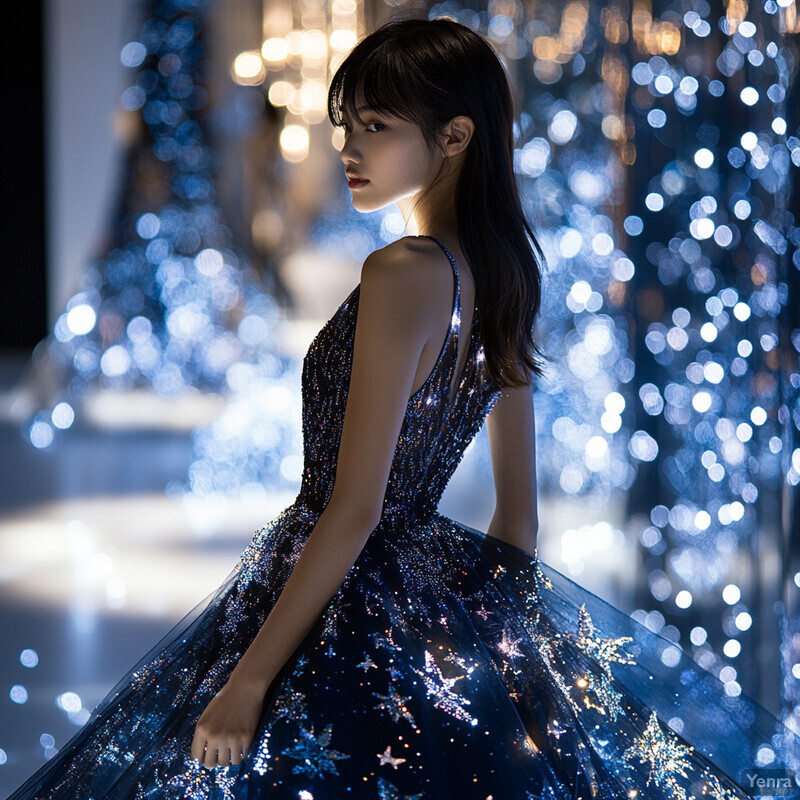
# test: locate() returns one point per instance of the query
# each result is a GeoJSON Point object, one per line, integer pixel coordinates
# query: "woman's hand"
{"type": "Point", "coordinates": [226, 728]}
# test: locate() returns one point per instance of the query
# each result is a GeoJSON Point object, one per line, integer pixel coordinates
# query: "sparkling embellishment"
{"type": "Point", "coordinates": [367, 663]}
{"type": "Point", "coordinates": [388, 791]}
{"type": "Point", "coordinates": [715, 789]}
{"type": "Point", "coordinates": [442, 689]}
{"type": "Point", "coordinates": [314, 756]}
{"type": "Point", "coordinates": [665, 755]}
{"type": "Point", "coordinates": [394, 703]}
{"type": "Point", "coordinates": [604, 650]}
{"type": "Point", "coordinates": [387, 758]}
{"type": "Point", "coordinates": [196, 781]}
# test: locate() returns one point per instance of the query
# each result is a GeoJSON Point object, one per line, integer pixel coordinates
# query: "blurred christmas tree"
{"type": "Point", "coordinates": [172, 303]}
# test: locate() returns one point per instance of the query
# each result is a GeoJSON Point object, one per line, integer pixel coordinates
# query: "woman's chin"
{"type": "Point", "coordinates": [366, 206]}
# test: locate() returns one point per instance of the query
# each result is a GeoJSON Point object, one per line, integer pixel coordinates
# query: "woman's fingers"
{"type": "Point", "coordinates": [238, 755]}
{"type": "Point", "coordinates": [210, 756]}
{"type": "Point", "coordinates": [198, 751]}
{"type": "Point", "coordinates": [222, 755]}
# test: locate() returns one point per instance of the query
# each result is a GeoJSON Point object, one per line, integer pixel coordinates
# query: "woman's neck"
{"type": "Point", "coordinates": [432, 211]}
{"type": "Point", "coordinates": [425, 219]}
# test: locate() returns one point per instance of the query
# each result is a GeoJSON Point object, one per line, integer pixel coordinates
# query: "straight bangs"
{"type": "Point", "coordinates": [374, 79]}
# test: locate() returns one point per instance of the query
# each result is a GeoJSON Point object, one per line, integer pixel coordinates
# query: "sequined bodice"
{"type": "Point", "coordinates": [434, 433]}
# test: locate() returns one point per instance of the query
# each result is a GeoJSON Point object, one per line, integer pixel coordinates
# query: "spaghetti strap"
{"type": "Point", "coordinates": [457, 304]}
{"type": "Point", "coordinates": [453, 337]}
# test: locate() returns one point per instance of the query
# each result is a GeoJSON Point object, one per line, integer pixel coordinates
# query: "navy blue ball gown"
{"type": "Point", "coordinates": [449, 664]}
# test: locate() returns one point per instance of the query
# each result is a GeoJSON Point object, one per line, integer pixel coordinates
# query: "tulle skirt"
{"type": "Point", "coordinates": [449, 664]}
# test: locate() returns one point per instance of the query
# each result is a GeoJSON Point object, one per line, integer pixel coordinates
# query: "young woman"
{"type": "Point", "coordinates": [366, 646]}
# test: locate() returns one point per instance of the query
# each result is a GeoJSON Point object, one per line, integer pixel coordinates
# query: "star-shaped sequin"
{"type": "Point", "coordinates": [384, 640]}
{"type": "Point", "coordinates": [715, 789]}
{"type": "Point", "coordinates": [388, 791]}
{"type": "Point", "coordinates": [290, 704]}
{"type": "Point", "coordinates": [455, 658]}
{"type": "Point", "coordinates": [556, 728]}
{"type": "Point", "coordinates": [440, 687]}
{"type": "Point", "coordinates": [604, 650]}
{"type": "Point", "coordinates": [498, 570]}
{"type": "Point", "coordinates": [394, 703]}
{"type": "Point", "coordinates": [367, 663]}
{"type": "Point", "coordinates": [387, 758]}
{"type": "Point", "coordinates": [313, 754]}
{"type": "Point", "coordinates": [606, 696]}
{"type": "Point", "coordinates": [665, 755]}
{"type": "Point", "coordinates": [508, 646]}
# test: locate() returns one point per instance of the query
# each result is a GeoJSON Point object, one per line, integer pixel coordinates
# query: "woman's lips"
{"type": "Point", "coordinates": [356, 183]}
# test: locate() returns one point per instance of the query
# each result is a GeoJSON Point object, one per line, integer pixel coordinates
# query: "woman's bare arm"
{"type": "Point", "coordinates": [512, 442]}
{"type": "Point", "coordinates": [390, 336]}
{"type": "Point", "coordinates": [391, 332]}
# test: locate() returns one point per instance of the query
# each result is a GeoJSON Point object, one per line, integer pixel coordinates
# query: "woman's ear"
{"type": "Point", "coordinates": [457, 135]}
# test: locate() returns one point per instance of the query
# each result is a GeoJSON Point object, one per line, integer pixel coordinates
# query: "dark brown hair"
{"type": "Point", "coordinates": [427, 72]}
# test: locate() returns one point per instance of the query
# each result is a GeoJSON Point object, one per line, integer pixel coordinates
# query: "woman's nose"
{"type": "Point", "coordinates": [348, 153]}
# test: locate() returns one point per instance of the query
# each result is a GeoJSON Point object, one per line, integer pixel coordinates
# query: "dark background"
{"type": "Point", "coordinates": [23, 297]}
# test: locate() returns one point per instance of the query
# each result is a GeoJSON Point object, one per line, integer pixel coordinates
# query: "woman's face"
{"type": "Point", "coordinates": [391, 158]}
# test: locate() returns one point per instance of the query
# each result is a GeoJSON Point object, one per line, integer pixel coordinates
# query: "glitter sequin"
{"type": "Point", "coordinates": [449, 664]}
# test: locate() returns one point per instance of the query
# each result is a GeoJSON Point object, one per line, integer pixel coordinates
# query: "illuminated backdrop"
{"type": "Point", "coordinates": [655, 157]}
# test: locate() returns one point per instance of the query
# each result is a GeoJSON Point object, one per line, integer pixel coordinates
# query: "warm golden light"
{"type": "Point", "coordinates": [670, 39]}
{"type": "Point", "coordinates": [615, 74]}
{"type": "Point", "coordinates": [296, 102]}
{"type": "Point", "coordinates": [294, 143]}
{"type": "Point", "coordinates": [612, 127]}
{"type": "Point", "coordinates": [344, 7]}
{"type": "Point", "coordinates": [343, 40]}
{"type": "Point", "coordinates": [267, 228]}
{"type": "Point", "coordinates": [573, 26]}
{"type": "Point", "coordinates": [546, 47]}
{"type": "Point", "coordinates": [316, 94]}
{"type": "Point", "coordinates": [627, 154]}
{"type": "Point", "coordinates": [277, 20]}
{"type": "Point", "coordinates": [315, 101]}
{"type": "Point", "coordinates": [248, 68]}
{"type": "Point", "coordinates": [562, 46]}
{"type": "Point", "coordinates": [275, 50]}
{"type": "Point", "coordinates": [337, 138]}
{"type": "Point", "coordinates": [294, 41]}
{"type": "Point", "coordinates": [280, 92]}
{"type": "Point", "coordinates": [314, 45]}
{"type": "Point", "coordinates": [787, 19]}
{"type": "Point", "coordinates": [653, 35]}
{"type": "Point", "coordinates": [336, 58]}
{"type": "Point", "coordinates": [736, 12]}
{"type": "Point", "coordinates": [614, 24]}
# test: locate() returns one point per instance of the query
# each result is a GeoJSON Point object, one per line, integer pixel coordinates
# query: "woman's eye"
{"type": "Point", "coordinates": [379, 125]}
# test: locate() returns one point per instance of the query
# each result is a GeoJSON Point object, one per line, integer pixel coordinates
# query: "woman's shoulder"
{"type": "Point", "coordinates": [413, 261]}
